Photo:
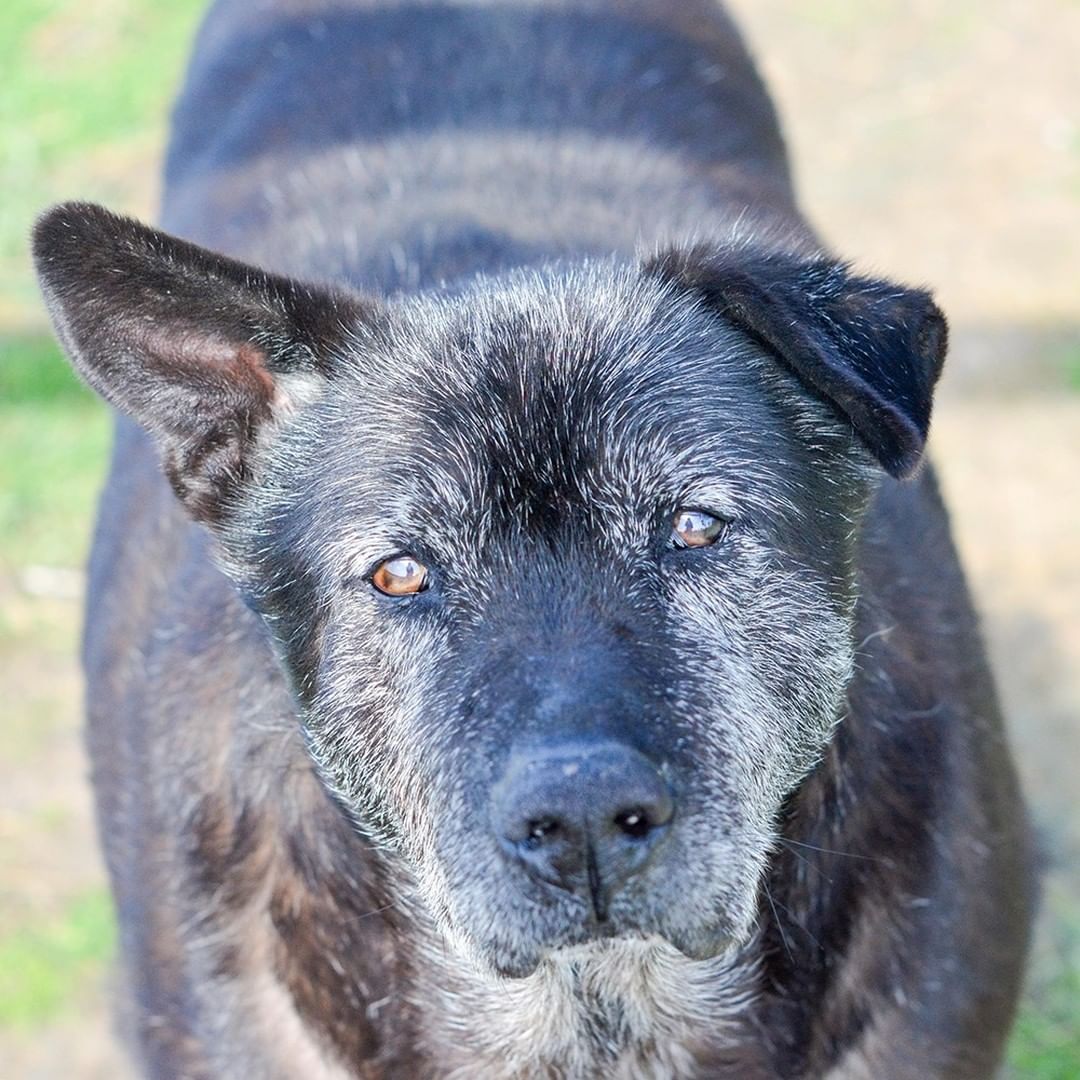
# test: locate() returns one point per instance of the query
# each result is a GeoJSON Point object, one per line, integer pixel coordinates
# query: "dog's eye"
{"type": "Point", "coordinates": [400, 576]}
{"type": "Point", "coordinates": [696, 528]}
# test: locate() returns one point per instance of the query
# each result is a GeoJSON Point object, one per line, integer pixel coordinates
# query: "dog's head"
{"type": "Point", "coordinates": [560, 567]}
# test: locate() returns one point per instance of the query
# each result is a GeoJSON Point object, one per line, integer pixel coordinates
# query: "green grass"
{"type": "Point", "coordinates": [1045, 1044]}
{"type": "Point", "coordinates": [1070, 365]}
{"type": "Point", "coordinates": [54, 438]}
{"type": "Point", "coordinates": [86, 87]}
{"type": "Point", "coordinates": [45, 965]}
{"type": "Point", "coordinates": [1046, 1040]}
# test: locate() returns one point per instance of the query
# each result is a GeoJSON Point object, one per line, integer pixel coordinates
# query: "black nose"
{"type": "Point", "coordinates": [584, 818]}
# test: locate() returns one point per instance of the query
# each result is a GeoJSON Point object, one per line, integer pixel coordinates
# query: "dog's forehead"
{"type": "Point", "coordinates": [597, 383]}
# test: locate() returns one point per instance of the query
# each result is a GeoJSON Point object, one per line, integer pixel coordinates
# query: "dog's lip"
{"type": "Point", "coordinates": [701, 945]}
{"type": "Point", "coordinates": [589, 934]}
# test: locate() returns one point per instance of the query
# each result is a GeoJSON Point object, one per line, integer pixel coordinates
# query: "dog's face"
{"type": "Point", "coordinates": [534, 448]}
{"type": "Point", "coordinates": [561, 568]}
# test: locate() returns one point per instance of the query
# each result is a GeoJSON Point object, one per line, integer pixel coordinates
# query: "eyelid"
{"type": "Point", "coordinates": [716, 501]}
{"type": "Point", "coordinates": [360, 560]}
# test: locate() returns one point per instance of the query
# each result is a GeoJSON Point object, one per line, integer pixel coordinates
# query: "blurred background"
{"type": "Point", "coordinates": [934, 140]}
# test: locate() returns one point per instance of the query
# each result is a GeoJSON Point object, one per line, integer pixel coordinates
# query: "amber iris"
{"type": "Point", "coordinates": [696, 528]}
{"type": "Point", "coordinates": [400, 576]}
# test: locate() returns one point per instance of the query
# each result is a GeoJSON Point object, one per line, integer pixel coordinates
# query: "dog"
{"type": "Point", "coordinates": [523, 638]}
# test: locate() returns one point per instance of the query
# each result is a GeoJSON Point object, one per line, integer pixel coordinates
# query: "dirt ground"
{"type": "Point", "coordinates": [939, 142]}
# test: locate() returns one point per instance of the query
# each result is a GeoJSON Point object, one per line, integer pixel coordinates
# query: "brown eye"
{"type": "Point", "coordinates": [400, 576]}
{"type": "Point", "coordinates": [696, 528]}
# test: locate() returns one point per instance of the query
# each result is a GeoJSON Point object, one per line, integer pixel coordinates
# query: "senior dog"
{"type": "Point", "coordinates": [522, 638]}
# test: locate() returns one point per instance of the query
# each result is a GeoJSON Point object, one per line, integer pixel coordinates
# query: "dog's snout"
{"type": "Point", "coordinates": [583, 818]}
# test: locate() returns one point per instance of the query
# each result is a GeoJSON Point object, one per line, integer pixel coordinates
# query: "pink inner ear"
{"type": "Point", "coordinates": [229, 395]}
{"type": "Point", "coordinates": [247, 366]}
{"type": "Point", "coordinates": [208, 364]}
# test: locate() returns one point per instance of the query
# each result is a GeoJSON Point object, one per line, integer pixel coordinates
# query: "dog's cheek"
{"type": "Point", "coordinates": [387, 734]}
{"type": "Point", "coordinates": [765, 660]}
{"type": "Point", "coordinates": [369, 724]}
{"type": "Point", "coordinates": [766, 656]}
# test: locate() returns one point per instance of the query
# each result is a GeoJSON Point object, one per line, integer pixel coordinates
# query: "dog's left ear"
{"type": "Point", "coordinates": [872, 349]}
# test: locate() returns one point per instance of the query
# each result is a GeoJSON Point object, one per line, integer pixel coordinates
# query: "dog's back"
{"type": "Point", "coordinates": [405, 145]}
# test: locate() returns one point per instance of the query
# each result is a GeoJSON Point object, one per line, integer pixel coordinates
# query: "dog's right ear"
{"type": "Point", "coordinates": [204, 352]}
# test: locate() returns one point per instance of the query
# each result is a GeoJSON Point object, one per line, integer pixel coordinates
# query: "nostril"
{"type": "Point", "coordinates": [634, 823]}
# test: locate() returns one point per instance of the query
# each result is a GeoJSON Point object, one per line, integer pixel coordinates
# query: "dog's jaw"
{"type": "Point", "coordinates": [625, 1008]}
